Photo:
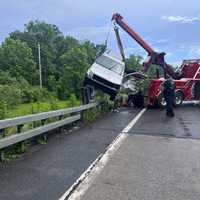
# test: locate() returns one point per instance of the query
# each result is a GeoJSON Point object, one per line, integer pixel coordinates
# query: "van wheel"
{"type": "Point", "coordinates": [178, 98]}
{"type": "Point", "coordinates": [161, 101]}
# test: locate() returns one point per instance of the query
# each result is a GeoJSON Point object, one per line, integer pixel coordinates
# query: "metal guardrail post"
{"type": "Point", "coordinates": [2, 155]}
{"type": "Point", "coordinates": [43, 121]}
{"type": "Point", "coordinates": [60, 129]}
{"type": "Point", "coordinates": [19, 128]}
{"type": "Point", "coordinates": [82, 115]}
{"type": "Point", "coordinates": [2, 132]}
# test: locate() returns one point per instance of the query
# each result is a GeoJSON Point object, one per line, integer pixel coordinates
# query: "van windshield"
{"type": "Point", "coordinates": [110, 64]}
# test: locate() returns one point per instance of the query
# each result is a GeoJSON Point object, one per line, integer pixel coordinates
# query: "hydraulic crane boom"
{"type": "Point", "coordinates": [119, 43]}
{"type": "Point", "coordinates": [154, 57]}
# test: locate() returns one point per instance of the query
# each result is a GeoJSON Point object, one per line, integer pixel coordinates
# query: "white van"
{"type": "Point", "coordinates": [106, 74]}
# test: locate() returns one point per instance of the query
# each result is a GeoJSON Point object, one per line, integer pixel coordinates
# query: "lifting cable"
{"type": "Point", "coordinates": [108, 34]}
{"type": "Point", "coordinates": [119, 43]}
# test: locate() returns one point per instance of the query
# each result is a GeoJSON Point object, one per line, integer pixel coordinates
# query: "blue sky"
{"type": "Point", "coordinates": [172, 26]}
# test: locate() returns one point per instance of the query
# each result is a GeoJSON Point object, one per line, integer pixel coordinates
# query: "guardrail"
{"type": "Point", "coordinates": [44, 128]}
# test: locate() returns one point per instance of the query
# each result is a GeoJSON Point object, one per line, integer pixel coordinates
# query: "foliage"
{"type": "Point", "coordinates": [3, 109]}
{"type": "Point", "coordinates": [35, 94]}
{"type": "Point", "coordinates": [11, 95]}
{"type": "Point", "coordinates": [73, 101]}
{"type": "Point", "coordinates": [133, 63]}
{"type": "Point", "coordinates": [37, 107]}
{"type": "Point", "coordinates": [16, 58]}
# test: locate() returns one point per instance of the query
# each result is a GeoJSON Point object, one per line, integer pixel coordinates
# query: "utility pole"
{"type": "Point", "coordinates": [40, 67]}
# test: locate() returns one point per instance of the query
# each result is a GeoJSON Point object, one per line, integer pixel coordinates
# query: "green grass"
{"type": "Point", "coordinates": [32, 108]}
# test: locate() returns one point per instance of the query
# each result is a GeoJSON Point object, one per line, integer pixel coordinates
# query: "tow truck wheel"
{"type": "Point", "coordinates": [137, 100]}
{"type": "Point", "coordinates": [178, 98]}
{"type": "Point", "coordinates": [161, 101]}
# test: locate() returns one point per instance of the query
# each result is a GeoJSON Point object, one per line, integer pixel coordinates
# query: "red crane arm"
{"type": "Point", "coordinates": [155, 58]}
{"type": "Point", "coordinates": [119, 20]}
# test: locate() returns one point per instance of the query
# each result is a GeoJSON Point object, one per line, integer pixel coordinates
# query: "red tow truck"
{"type": "Point", "coordinates": [186, 77]}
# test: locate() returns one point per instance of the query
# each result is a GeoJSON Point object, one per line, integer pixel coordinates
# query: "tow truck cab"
{"type": "Point", "coordinates": [106, 74]}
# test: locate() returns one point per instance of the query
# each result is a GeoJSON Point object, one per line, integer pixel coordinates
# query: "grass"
{"type": "Point", "coordinates": [37, 107]}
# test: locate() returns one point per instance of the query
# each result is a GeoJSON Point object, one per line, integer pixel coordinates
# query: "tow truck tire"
{"type": "Point", "coordinates": [161, 101]}
{"type": "Point", "coordinates": [138, 100]}
{"type": "Point", "coordinates": [196, 90]}
{"type": "Point", "coordinates": [178, 98]}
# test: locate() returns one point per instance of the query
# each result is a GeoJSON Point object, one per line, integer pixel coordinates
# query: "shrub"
{"type": "Point", "coordinates": [11, 95]}
{"type": "Point", "coordinates": [3, 109]}
{"type": "Point", "coordinates": [34, 94]}
{"type": "Point", "coordinates": [73, 101]}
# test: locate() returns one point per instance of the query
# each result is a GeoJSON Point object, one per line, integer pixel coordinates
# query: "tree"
{"type": "Point", "coordinates": [133, 63]}
{"type": "Point", "coordinates": [53, 46]}
{"type": "Point", "coordinates": [17, 59]}
{"type": "Point", "coordinates": [75, 66]}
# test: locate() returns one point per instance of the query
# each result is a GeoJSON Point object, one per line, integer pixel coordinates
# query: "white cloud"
{"type": "Point", "coordinates": [176, 63]}
{"type": "Point", "coordinates": [162, 40]}
{"type": "Point", "coordinates": [181, 19]}
{"type": "Point", "coordinates": [91, 33]}
{"type": "Point", "coordinates": [194, 51]}
{"type": "Point", "coordinates": [135, 51]}
{"type": "Point", "coordinates": [97, 34]}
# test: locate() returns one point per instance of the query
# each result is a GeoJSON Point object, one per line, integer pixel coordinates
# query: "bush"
{"type": "Point", "coordinates": [3, 109]}
{"type": "Point", "coordinates": [34, 94]}
{"type": "Point", "coordinates": [11, 95]}
{"type": "Point", "coordinates": [73, 101]}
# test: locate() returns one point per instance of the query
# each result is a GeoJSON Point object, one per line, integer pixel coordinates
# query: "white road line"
{"type": "Point", "coordinates": [77, 190]}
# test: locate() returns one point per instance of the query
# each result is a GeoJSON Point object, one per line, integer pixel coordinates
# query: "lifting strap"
{"type": "Point", "coordinates": [108, 35]}
{"type": "Point", "coordinates": [119, 43]}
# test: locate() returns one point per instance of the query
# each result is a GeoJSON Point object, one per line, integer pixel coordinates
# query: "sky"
{"type": "Point", "coordinates": [171, 26]}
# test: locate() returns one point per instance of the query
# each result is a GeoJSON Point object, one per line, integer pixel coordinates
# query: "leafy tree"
{"type": "Point", "coordinates": [75, 65]}
{"type": "Point", "coordinates": [11, 95]}
{"type": "Point", "coordinates": [134, 63]}
{"type": "Point", "coordinates": [52, 44]}
{"type": "Point", "coordinates": [16, 59]}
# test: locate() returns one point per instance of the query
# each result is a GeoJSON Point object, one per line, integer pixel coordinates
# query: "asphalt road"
{"type": "Point", "coordinates": [159, 159]}
{"type": "Point", "coordinates": [47, 171]}
{"type": "Point", "coordinates": [185, 124]}
{"type": "Point", "coordinates": [150, 168]}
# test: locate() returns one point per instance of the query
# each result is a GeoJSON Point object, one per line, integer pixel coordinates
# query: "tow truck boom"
{"type": "Point", "coordinates": [154, 57]}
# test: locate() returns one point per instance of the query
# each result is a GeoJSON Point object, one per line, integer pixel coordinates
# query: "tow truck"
{"type": "Point", "coordinates": [186, 77]}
